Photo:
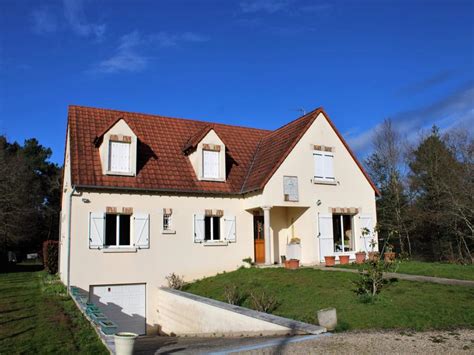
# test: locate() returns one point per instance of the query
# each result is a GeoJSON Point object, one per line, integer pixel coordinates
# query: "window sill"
{"type": "Point", "coordinates": [211, 179]}
{"type": "Point", "coordinates": [168, 232]}
{"type": "Point", "coordinates": [118, 173]}
{"type": "Point", "coordinates": [217, 243]}
{"type": "Point", "coordinates": [120, 250]}
{"type": "Point", "coordinates": [324, 182]}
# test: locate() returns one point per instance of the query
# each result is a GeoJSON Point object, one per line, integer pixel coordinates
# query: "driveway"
{"type": "Point", "coordinates": [387, 342]}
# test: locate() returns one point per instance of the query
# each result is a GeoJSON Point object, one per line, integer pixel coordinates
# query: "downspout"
{"type": "Point", "coordinates": [68, 289]}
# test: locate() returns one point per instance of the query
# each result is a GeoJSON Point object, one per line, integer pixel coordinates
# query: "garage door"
{"type": "Point", "coordinates": [123, 305]}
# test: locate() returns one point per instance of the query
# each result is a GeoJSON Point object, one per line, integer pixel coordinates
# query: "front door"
{"type": "Point", "coordinates": [259, 240]}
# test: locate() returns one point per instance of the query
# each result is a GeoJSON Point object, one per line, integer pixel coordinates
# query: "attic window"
{"type": "Point", "coordinates": [119, 157]}
{"type": "Point", "coordinates": [210, 164]}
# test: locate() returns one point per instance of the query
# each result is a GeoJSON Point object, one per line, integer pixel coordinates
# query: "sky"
{"type": "Point", "coordinates": [254, 63]}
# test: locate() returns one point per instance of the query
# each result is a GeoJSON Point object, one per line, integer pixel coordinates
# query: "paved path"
{"type": "Point", "coordinates": [419, 278]}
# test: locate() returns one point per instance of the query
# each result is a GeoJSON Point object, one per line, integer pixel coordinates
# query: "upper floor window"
{"type": "Point", "coordinates": [119, 157]}
{"type": "Point", "coordinates": [210, 164]}
{"type": "Point", "coordinates": [324, 166]}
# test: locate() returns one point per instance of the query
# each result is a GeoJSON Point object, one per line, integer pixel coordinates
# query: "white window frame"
{"type": "Point", "coordinates": [117, 232]}
{"type": "Point", "coordinates": [352, 240]}
{"type": "Point", "coordinates": [167, 226]}
{"type": "Point", "coordinates": [204, 176]}
{"type": "Point", "coordinates": [212, 240]}
{"type": "Point", "coordinates": [129, 168]}
{"type": "Point", "coordinates": [326, 178]}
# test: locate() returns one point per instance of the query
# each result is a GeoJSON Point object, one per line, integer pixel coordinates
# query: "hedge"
{"type": "Point", "coordinates": [51, 255]}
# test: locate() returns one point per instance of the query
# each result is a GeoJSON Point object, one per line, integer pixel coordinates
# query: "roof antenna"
{"type": "Point", "coordinates": [302, 110]}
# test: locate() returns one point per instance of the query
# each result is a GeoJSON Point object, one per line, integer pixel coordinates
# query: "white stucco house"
{"type": "Point", "coordinates": [145, 196]}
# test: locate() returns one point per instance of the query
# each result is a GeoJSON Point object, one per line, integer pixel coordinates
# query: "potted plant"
{"type": "Point", "coordinates": [360, 257]}
{"type": "Point", "coordinates": [124, 343]}
{"type": "Point", "coordinates": [330, 260]}
{"type": "Point", "coordinates": [373, 255]}
{"type": "Point", "coordinates": [293, 253]}
{"type": "Point", "coordinates": [343, 259]}
{"type": "Point", "coordinates": [389, 255]}
{"type": "Point", "coordinates": [293, 264]}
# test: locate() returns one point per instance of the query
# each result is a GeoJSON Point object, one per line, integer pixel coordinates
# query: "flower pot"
{"type": "Point", "coordinates": [374, 255]}
{"type": "Point", "coordinates": [360, 257]}
{"type": "Point", "coordinates": [343, 259]}
{"type": "Point", "coordinates": [293, 264]}
{"type": "Point", "coordinates": [124, 343]}
{"type": "Point", "coordinates": [389, 256]}
{"type": "Point", "coordinates": [327, 318]}
{"type": "Point", "coordinates": [330, 260]}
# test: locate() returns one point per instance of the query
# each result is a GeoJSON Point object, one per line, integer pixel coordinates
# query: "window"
{"type": "Point", "coordinates": [119, 157]}
{"type": "Point", "coordinates": [324, 166]}
{"type": "Point", "coordinates": [117, 230]}
{"type": "Point", "coordinates": [343, 233]}
{"type": "Point", "coordinates": [166, 221]}
{"type": "Point", "coordinates": [212, 228]}
{"type": "Point", "coordinates": [210, 164]}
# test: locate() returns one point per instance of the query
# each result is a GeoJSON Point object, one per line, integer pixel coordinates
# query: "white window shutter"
{"type": "Point", "coordinates": [210, 164]}
{"type": "Point", "coordinates": [96, 230]}
{"type": "Point", "coordinates": [142, 230]}
{"type": "Point", "coordinates": [326, 239]}
{"type": "Point", "coordinates": [318, 166]}
{"type": "Point", "coordinates": [365, 221]}
{"type": "Point", "coordinates": [329, 166]}
{"type": "Point", "coordinates": [119, 156]}
{"type": "Point", "coordinates": [229, 225]}
{"type": "Point", "coordinates": [198, 228]}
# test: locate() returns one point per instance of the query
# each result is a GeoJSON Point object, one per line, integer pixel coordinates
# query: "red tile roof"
{"type": "Point", "coordinates": [252, 158]}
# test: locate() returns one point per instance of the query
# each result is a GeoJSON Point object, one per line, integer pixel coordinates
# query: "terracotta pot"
{"type": "Point", "coordinates": [360, 257]}
{"type": "Point", "coordinates": [389, 256]}
{"type": "Point", "coordinates": [330, 260]}
{"type": "Point", "coordinates": [374, 255]}
{"type": "Point", "coordinates": [293, 264]}
{"type": "Point", "coordinates": [343, 259]}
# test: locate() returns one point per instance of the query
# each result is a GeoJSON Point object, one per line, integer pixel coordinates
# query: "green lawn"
{"type": "Point", "coordinates": [403, 304]}
{"type": "Point", "coordinates": [37, 317]}
{"type": "Point", "coordinates": [450, 271]}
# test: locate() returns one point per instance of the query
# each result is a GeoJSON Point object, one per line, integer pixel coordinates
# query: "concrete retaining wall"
{"type": "Point", "coordinates": [184, 314]}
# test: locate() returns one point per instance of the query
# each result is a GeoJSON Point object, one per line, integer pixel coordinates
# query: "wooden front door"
{"type": "Point", "coordinates": [259, 239]}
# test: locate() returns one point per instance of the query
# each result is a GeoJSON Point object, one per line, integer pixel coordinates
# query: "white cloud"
{"type": "Point", "coordinates": [44, 21]}
{"type": "Point", "coordinates": [456, 109]}
{"type": "Point", "coordinates": [129, 55]}
{"type": "Point", "coordinates": [77, 20]}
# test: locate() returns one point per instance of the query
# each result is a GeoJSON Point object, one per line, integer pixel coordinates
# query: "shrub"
{"type": "Point", "coordinates": [263, 302]}
{"type": "Point", "coordinates": [371, 279]}
{"type": "Point", "coordinates": [51, 256]}
{"type": "Point", "coordinates": [233, 295]}
{"type": "Point", "coordinates": [175, 282]}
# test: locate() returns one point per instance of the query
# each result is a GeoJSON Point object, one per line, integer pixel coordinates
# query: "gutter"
{"type": "Point", "coordinates": [69, 240]}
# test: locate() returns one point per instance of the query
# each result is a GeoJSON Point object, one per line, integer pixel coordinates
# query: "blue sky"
{"type": "Point", "coordinates": [252, 63]}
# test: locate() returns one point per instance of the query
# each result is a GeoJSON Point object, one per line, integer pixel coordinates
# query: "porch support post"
{"type": "Point", "coordinates": [268, 246]}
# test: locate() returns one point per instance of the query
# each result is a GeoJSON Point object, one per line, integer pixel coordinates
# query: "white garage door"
{"type": "Point", "coordinates": [123, 305]}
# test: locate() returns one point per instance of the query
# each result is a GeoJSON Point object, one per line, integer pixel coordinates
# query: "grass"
{"type": "Point", "coordinates": [450, 271]}
{"type": "Point", "coordinates": [37, 317]}
{"type": "Point", "coordinates": [300, 293]}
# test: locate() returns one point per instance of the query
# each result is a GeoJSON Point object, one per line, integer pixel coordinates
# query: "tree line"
{"type": "Point", "coordinates": [426, 208]}
{"type": "Point", "coordinates": [30, 192]}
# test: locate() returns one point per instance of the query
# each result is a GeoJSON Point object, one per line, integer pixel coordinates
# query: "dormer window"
{"type": "Point", "coordinates": [118, 149]}
{"type": "Point", "coordinates": [119, 157]}
{"type": "Point", "coordinates": [210, 164]}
